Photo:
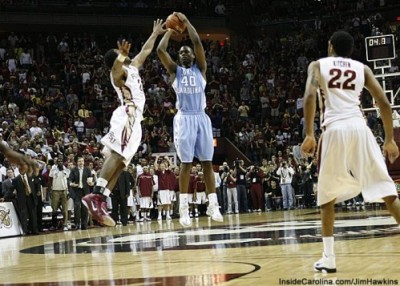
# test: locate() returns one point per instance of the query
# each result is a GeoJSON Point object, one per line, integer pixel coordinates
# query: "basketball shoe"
{"type": "Point", "coordinates": [326, 264]}
{"type": "Point", "coordinates": [97, 207]}
{"type": "Point", "coordinates": [184, 218]}
{"type": "Point", "coordinates": [214, 213]}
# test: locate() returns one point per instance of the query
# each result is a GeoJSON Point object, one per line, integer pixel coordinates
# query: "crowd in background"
{"type": "Point", "coordinates": [56, 100]}
{"type": "Point", "coordinates": [207, 8]}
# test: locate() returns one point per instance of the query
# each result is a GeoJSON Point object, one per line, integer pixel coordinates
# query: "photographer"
{"type": "Point", "coordinates": [232, 193]}
{"type": "Point", "coordinates": [255, 176]}
{"type": "Point", "coordinates": [286, 172]}
{"type": "Point", "coordinates": [268, 168]}
{"type": "Point", "coordinates": [273, 197]}
{"type": "Point", "coordinates": [306, 185]}
{"type": "Point", "coordinates": [241, 187]}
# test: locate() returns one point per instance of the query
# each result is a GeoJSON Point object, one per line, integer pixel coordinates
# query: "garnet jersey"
{"type": "Point", "coordinates": [199, 185]}
{"type": "Point", "coordinates": [230, 182]}
{"type": "Point", "coordinates": [163, 180]}
{"type": "Point", "coordinates": [341, 84]}
{"type": "Point", "coordinates": [171, 181]}
{"type": "Point", "coordinates": [145, 184]}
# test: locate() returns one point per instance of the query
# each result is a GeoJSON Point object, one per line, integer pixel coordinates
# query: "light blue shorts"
{"type": "Point", "coordinates": [193, 136]}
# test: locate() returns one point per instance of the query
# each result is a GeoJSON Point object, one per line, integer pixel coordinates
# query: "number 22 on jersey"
{"type": "Point", "coordinates": [342, 79]}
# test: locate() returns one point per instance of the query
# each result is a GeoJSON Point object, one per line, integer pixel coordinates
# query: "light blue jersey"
{"type": "Point", "coordinates": [189, 86]}
{"type": "Point", "coordinates": [193, 135]}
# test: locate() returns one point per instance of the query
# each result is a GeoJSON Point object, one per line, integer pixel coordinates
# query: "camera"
{"type": "Point", "coordinates": [236, 163]}
{"type": "Point", "coordinates": [226, 169]}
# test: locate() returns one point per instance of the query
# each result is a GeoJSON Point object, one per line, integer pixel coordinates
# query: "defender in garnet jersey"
{"type": "Point", "coordinates": [350, 158]}
{"type": "Point", "coordinates": [123, 139]}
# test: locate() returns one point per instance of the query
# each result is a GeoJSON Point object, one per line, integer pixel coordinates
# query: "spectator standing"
{"type": "Point", "coordinates": [164, 197]}
{"type": "Point", "coordinates": [241, 185]}
{"type": "Point", "coordinates": [7, 189]}
{"type": "Point", "coordinates": [286, 173]}
{"type": "Point", "coordinates": [27, 196]}
{"type": "Point", "coordinates": [255, 176]}
{"type": "Point", "coordinates": [58, 179]}
{"type": "Point", "coordinates": [81, 180]}
{"type": "Point", "coordinates": [232, 193]}
{"type": "Point", "coordinates": [145, 183]}
{"type": "Point", "coordinates": [119, 197]}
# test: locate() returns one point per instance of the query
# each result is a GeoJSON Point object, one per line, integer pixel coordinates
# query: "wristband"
{"type": "Point", "coordinates": [121, 58]}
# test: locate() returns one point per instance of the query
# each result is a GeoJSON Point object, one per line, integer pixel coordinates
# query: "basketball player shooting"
{"type": "Point", "coordinates": [193, 136]}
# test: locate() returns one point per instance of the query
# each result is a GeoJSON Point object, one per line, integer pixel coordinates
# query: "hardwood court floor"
{"type": "Point", "coordinates": [248, 249]}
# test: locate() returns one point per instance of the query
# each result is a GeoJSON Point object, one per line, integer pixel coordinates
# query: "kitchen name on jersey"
{"type": "Point", "coordinates": [342, 64]}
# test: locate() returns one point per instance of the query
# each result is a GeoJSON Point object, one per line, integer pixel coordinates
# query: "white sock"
{"type": "Point", "coordinates": [184, 199]}
{"type": "Point", "coordinates": [137, 215]}
{"type": "Point", "coordinates": [328, 245]}
{"type": "Point", "coordinates": [212, 198]}
{"type": "Point", "coordinates": [145, 214]}
{"type": "Point", "coordinates": [101, 182]}
{"type": "Point", "coordinates": [106, 192]}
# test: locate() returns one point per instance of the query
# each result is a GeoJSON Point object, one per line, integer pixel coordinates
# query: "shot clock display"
{"type": "Point", "coordinates": [380, 47]}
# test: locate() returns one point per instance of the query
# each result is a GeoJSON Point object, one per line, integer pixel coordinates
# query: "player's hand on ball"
{"type": "Point", "coordinates": [176, 21]}
{"type": "Point", "coordinates": [181, 16]}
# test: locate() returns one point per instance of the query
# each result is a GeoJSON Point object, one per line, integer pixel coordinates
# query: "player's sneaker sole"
{"type": "Point", "coordinates": [104, 220]}
{"type": "Point", "coordinates": [325, 264]}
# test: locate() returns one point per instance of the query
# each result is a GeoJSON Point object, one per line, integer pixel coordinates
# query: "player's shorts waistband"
{"type": "Point", "coordinates": [346, 123]}
{"type": "Point", "coordinates": [191, 112]}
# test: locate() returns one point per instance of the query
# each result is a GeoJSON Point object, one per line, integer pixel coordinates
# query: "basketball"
{"type": "Point", "coordinates": [173, 22]}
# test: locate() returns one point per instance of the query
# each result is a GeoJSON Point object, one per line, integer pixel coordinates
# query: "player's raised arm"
{"type": "Point", "coordinates": [164, 56]}
{"type": "Point", "coordinates": [148, 46]}
{"type": "Point", "coordinates": [195, 38]}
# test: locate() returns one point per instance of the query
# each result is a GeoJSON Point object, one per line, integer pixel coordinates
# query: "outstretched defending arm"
{"type": "Point", "coordinates": [124, 47]}
{"type": "Point", "coordinates": [117, 72]}
{"type": "Point", "coordinates": [148, 46]}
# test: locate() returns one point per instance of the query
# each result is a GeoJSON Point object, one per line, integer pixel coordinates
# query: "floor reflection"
{"type": "Point", "coordinates": [170, 236]}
